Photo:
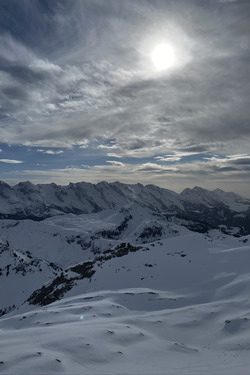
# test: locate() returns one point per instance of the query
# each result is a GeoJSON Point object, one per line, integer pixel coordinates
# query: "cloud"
{"type": "Point", "coordinates": [150, 167]}
{"type": "Point", "coordinates": [203, 101]}
{"type": "Point", "coordinates": [115, 163]}
{"type": "Point", "coordinates": [232, 162]}
{"type": "Point", "coordinates": [50, 152]}
{"type": "Point", "coordinates": [10, 161]}
{"type": "Point", "coordinates": [113, 155]}
{"type": "Point", "coordinates": [80, 74]}
{"type": "Point", "coordinates": [212, 172]}
{"type": "Point", "coordinates": [168, 158]}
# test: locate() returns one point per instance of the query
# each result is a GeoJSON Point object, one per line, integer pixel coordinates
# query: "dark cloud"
{"type": "Point", "coordinates": [21, 73]}
{"type": "Point", "coordinates": [14, 93]}
{"type": "Point", "coordinates": [195, 148]}
{"type": "Point", "coordinates": [244, 162]}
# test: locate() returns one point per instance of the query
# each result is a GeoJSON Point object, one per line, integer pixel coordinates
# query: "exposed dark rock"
{"type": "Point", "coordinates": [60, 285]}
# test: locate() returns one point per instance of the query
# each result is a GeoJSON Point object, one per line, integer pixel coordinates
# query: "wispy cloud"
{"type": "Point", "coordinates": [211, 172]}
{"type": "Point", "coordinates": [50, 152]}
{"type": "Point", "coordinates": [168, 158]}
{"type": "Point", "coordinates": [115, 163]}
{"type": "Point", "coordinates": [113, 155]}
{"type": "Point", "coordinates": [11, 161]}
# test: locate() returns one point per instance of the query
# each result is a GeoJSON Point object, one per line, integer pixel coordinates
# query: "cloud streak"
{"type": "Point", "coordinates": [50, 152]}
{"type": "Point", "coordinates": [211, 172]}
{"type": "Point", "coordinates": [10, 161]}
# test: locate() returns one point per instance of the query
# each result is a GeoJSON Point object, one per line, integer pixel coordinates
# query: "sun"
{"type": "Point", "coordinates": [163, 56]}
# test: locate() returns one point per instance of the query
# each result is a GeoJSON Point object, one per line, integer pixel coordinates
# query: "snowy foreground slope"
{"type": "Point", "coordinates": [181, 306]}
{"type": "Point", "coordinates": [132, 288]}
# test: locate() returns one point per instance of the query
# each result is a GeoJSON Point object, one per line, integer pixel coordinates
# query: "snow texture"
{"type": "Point", "coordinates": [127, 289]}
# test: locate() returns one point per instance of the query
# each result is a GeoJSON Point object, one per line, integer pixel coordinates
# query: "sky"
{"type": "Point", "coordinates": [83, 99]}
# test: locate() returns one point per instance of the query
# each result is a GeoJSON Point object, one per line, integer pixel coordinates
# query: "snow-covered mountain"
{"type": "Point", "coordinates": [20, 274]}
{"type": "Point", "coordinates": [115, 278]}
{"type": "Point", "coordinates": [37, 202]}
{"type": "Point", "coordinates": [68, 240]}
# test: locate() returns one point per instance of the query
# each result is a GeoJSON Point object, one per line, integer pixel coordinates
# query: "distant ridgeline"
{"type": "Point", "coordinates": [203, 209]}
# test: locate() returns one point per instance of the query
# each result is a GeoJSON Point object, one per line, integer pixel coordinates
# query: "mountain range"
{"type": "Point", "coordinates": [37, 202]}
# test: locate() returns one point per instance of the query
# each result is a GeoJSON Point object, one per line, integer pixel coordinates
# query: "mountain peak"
{"type": "Point", "coordinates": [26, 200]}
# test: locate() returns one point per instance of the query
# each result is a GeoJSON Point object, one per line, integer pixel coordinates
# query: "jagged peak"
{"type": "Point", "coordinates": [84, 197]}
{"type": "Point", "coordinates": [198, 189]}
{"type": "Point", "coordinates": [4, 185]}
{"type": "Point", "coordinates": [25, 183]}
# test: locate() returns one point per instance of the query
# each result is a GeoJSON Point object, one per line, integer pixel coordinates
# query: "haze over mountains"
{"type": "Point", "coordinates": [139, 279]}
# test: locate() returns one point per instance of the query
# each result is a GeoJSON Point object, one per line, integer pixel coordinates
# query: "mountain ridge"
{"type": "Point", "coordinates": [38, 202]}
{"type": "Point", "coordinates": [51, 195]}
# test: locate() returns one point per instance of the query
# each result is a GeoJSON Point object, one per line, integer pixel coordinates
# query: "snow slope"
{"type": "Point", "coordinates": [150, 311]}
{"type": "Point", "coordinates": [123, 279]}
{"type": "Point", "coordinates": [20, 275]}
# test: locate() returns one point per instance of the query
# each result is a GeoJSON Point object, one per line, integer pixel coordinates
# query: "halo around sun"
{"type": "Point", "coordinates": [163, 56]}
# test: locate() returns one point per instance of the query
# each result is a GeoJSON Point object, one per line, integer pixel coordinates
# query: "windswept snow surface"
{"type": "Point", "coordinates": [176, 305]}
{"type": "Point", "coordinates": [98, 334]}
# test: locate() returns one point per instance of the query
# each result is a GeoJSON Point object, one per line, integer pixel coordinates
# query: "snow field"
{"type": "Point", "coordinates": [94, 334]}
{"type": "Point", "coordinates": [177, 305]}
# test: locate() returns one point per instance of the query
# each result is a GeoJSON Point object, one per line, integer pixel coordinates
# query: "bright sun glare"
{"type": "Point", "coordinates": [163, 56]}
